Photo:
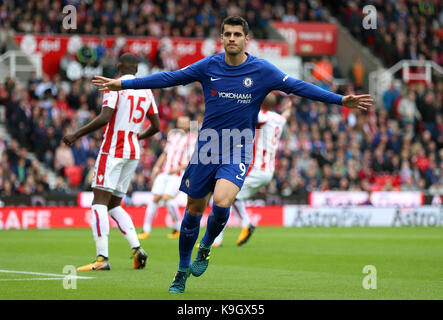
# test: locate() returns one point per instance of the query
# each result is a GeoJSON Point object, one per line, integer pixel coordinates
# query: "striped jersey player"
{"type": "Point", "coordinates": [120, 139]}
{"type": "Point", "coordinates": [167, 175]}
{"type": "Point", "coordinates": [123, 114]}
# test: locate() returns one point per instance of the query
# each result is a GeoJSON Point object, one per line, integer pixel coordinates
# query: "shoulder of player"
{"type": "Point", "coordinates": [272, 116]}
{"type": "Point", "coordinates": [212, 58]}
{"type": "Point", "coordinates": [173, 133]}
{"type": "Point", "coordinates": [276, 116]}
{"type": "Point", "coordinates": [263, 62]}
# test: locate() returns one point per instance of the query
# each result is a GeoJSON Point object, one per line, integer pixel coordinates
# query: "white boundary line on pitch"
{"type": "Point", "coordinates": [54, 275]}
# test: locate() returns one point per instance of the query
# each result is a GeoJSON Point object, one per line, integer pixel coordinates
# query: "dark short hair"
{"type": "Point", "coordinates": [235, 21]}
{"type": "Point", "coordinates": [129, 59]}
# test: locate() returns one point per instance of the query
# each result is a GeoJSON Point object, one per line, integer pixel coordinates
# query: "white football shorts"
{"type": "Point", "coordinates": [166, 184]}
{"type": "Point", "coordinates": [255, 180]}
{"type": "Point", "coordinates": [114, 174]}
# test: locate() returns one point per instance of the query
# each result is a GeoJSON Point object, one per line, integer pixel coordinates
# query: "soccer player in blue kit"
{"type": "Point", "coordinates": [235, 84]}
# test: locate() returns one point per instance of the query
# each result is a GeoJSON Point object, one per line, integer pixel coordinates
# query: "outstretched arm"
{"type": "Point", "coordinates": [313, 92]}
{"type": "Point", "coordinates": [191, 73]}
{"type": "Point", "coordinates": [157, 80]}
{"type": "Point", "coordinates": [362, 102]}
{"type": "Point", "coordinates": [287, 107]}
{"type": "Point", "coordinates": [280, 81]}
{"type": "Point", "coordinates": [103, 118]}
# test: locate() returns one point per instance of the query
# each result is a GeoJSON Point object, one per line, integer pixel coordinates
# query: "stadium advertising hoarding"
{"type": "Point", "coordinates": [363, 216]}
{"type": "Point", "coordinates": [287, 216]}
{"type": "Point", "coordinates": [309, 38]}
{"type": "Point", "coordinates": [187, 51]}
{"type": "Point", "coordinates": [76, 217]}
{"type": "Point", "coordinates": [358, 198]}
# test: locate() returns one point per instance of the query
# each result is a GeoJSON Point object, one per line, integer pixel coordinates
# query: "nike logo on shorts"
{"type": "Point", "coordinates": [215, 79]}
{"type": "Point", "coordinates": [238, 177]}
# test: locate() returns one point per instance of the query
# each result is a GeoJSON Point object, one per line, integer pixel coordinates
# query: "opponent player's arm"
{"type": "Point", "coordinates": [287, 107]}
{"type": "Point", "coordinates": [103, 118]}
{"type": "Point", "coordinates": [153, 128]}
{"type": "Point", "coordinates": [178, 169]}
{"type": "Point", "coordinates": [159, 164]}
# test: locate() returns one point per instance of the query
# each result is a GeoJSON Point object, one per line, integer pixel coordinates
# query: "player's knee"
{"type": "Point", "coordinates": [166, 198]}
{"type": "Point", "coordinates": [223, 202]}
{"type": "Point", "coordinates": [156, 198]}
{"type": "Point", "coordinates": [194, 211]}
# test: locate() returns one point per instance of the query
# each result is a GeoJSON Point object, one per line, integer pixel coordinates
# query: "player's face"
{"type": "Point", "coordinates": [234, 39]}
{"type": "Point", "coordinates": [183, 123]}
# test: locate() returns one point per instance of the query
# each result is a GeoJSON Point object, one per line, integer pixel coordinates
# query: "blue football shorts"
{"type": "Point", "coordinates": [199, 179]}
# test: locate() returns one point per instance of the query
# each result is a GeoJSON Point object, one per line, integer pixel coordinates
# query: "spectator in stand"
{"type": "Point", "coordinates": [357, 73]}
{"type": "Point", "coordinates": [63, 158]}
{"type": "Point", "coordinates": [389, 98]}
{"type": "Point", "coordinates": [88, 174]}
{"type": "Point", "coordinates": [407, 109]}
{"type": "Point", "coordinates": [323, 70]}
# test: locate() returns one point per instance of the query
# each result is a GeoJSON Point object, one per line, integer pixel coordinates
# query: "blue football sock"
{"type": "Point", "coordinates": [216, 222]}
{"type": "Point", "coordinates": [189, 230]}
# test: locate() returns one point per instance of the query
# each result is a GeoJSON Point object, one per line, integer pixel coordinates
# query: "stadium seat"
{"type": "Point", "coordinates": [74, 175]}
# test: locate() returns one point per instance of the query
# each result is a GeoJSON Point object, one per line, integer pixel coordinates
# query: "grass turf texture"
{"type": "Point", "coordinates": [277, 263]}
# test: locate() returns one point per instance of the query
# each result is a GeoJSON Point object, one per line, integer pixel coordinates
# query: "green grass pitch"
{"type": "Point", "coordinates": [277, 263]}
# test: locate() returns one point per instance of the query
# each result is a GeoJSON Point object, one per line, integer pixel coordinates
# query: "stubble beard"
{"type": "Point", "coordinates": [233, 53]}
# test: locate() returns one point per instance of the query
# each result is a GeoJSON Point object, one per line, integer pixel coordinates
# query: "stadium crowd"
{"type": "Point", "coordinates": [406, 29]}
{"type": "Point", "coordinates": [156, 18]}
{"type": "Point", "coordinates": [396, 146]}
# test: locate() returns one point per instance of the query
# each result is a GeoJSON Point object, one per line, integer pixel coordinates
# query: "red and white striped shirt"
{"type": "Point", "coordinates": [179, 149]}
{"type": "Point", "coordinates": [130, 109]}
{"type": "Point", "coordinates": [269, 129]}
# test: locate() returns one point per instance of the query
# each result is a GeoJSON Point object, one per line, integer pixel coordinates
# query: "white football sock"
{"type": "Point", "coordinates": [100, 228]}
{"type": "Point", "coordinates": [173, 211]}
{"type": "Point", "coordinates": [125, 225]}
{"type": "Point", "coordinates": [150, 213]}
{"type": "Point", "coordinates": [240, 212]}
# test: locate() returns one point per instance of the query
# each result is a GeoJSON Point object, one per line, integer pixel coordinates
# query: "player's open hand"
{"type": "Point", "coordinates": [362, 102]}
{"type": "Point", "coordinates": [107, 84]}
{"type": "Point", "coordinates": [69, 139]}
{"type": "Point", "coordinates": [287, 104]}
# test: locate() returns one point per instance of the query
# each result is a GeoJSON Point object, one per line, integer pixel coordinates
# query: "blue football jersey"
{"type": "Point", "coordinates": [233, 96]}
